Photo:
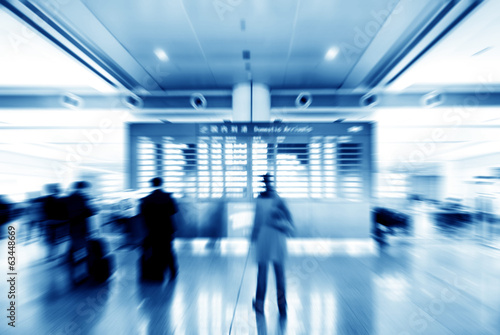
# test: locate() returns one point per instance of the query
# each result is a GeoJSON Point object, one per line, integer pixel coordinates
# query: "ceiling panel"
{"type": "Point", "coordinates": [264, 28]}
{"type": "Point", "coordinates": [142, 27]}
{"type": "Point", "coordinates": [322, 25]}
{"type": "Point", "coordinates": [204, 40]}
{"type": "Point", "coordinates": [287, 40]}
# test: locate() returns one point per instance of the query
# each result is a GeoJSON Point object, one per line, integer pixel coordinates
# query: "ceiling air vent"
{"type": "Point", "coordinates": [72, 101]}
{"type": "Point", "coordinates": [432, 99]}
{"type": "Point", "coordinates": [369, 100]}
{"type": "Point", "coordinates": [133, 102]}
{"type": "Point", "coordinates": [198, 101]}
{"type": "Point", "coordinates": [303, 100]}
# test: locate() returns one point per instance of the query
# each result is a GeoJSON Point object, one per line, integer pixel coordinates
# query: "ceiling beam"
{"type": "Point", "coordinates": [479, 97]}
{"type": "Point", "coordinates": [286, 100]}
{"type": "Point", "coordinates": [115, 101]}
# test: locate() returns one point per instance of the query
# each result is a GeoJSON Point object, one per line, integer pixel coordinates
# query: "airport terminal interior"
{"type": "Point", "coordinates": [156, 157]}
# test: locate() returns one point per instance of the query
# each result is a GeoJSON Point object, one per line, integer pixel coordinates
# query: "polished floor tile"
{"type": "Point", "coordinates": [433, 283]}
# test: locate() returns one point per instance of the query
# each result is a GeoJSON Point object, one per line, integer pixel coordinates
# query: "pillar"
{"type": "Point", "coordinates": [261, 103]}
{"type": "Point", "coordinates": [251, 103]}
{"type": "Point", "coordinates": [242, 102]}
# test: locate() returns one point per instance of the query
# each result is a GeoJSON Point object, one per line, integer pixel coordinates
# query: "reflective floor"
{"type": "Point", "coordinates": [433, 282]}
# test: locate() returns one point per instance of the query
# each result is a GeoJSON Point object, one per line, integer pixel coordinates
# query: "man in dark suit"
{"type": "Point", "coordinates": [157, 210]}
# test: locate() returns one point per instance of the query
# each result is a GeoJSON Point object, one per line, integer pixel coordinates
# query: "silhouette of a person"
{"type": "Point", "coordinates": [272, 224]}
{"type": "Point", "coordinates": [55, 215]}
{"type": "Point", "coordinates": [79, 211]}
{"type": "Point", "coordinates": [157, 210]}
{"type": "Point", "coordinates": [5, 213]}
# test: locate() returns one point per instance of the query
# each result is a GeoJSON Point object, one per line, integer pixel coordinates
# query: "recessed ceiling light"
{"type": "Point", "coordinates": [332, 53]}
{"type": "Point", "coordinates": [162, 55]}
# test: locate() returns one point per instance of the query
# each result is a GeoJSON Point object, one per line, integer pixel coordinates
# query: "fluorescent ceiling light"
{"type": "Point", "coordinates": [332, 53]}
{"type": "Point", "coordinates": [162, 55]}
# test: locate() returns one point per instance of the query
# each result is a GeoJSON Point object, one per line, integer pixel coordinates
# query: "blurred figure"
{"type": "Point", "coordinates": [55, 215]}
{"type": "Point", "coordinates": [273, 222]}
{"type": "Point", "coordinates": [5, 213]}
{"type": "Point", "coordinates": [157, 210]}
{"type": "Point", "coordinates": [34, 216]}
{"type": "Point", "coordinates": [79, 211]}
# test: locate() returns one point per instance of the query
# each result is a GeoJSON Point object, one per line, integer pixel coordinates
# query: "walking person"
{"type": "Point", "coordinates": [79, 211]}
{"type": "Point", "coordinates": [157, 210]}
{"type": "Point", "coordinates": [35, 216]}
{"type": "Point", "coordinates": [5, 214]}
{"type": "Point", "coordinates": [272, 224]}
{"type": "Point", "coordinates": [54, 214]}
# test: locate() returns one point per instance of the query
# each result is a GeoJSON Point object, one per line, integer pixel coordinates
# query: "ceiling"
{"type": "Point", "coordinates": [153, 46]}
{"type": "Point", "coordinates": [467, 57]}
{"type": "Point", "coordinates": [169, 49]}
{"type": "Point", "coordinates": [286, 40]}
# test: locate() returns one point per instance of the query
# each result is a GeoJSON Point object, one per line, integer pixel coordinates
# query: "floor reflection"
{"type": "Point", "coordinates": [424, 285]}
{"type": "Point", "coordinates": [260, 320]}
{"type": "Point", "coordinates": [156, 305]}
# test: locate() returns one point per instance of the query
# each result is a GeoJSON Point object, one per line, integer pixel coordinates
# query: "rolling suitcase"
{"type": "Point", "coordinates": [78, 268]}
{"type": "Point", "coordinates": [100, 265]}
{"type": "Point", "coordinates": [100, 270]}
{"type": "Point", "coordinates": [97, 248]}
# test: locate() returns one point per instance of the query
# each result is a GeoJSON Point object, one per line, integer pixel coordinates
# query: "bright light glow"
{"type": "Point", "coordinates": [332, 53]}
{"type": "Point", "coordinates": [327, 247]}
{"type": "Point", "coordinates": [28, 60]}
{"type": "Point", "coordinates": [161, 54]}
{"type": "Point", "coordinates": [394, 287]}
{"type": "Point", "coordinates": [330, 308]}
{"type": "Point", "coordinates": [316, 318]}
{"type": "Point", "coordinates": [203, 313]}
{"type": "Point", "coordinates": [234, 247]}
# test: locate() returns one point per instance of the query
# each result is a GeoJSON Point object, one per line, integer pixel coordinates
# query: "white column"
{"type": "Point", "coordinates": [261, 103]}
{"type": "Point", "coordinates": [241, 102]}
{"type": "Point", "coordinates": [453, 180]}
{"type": "Point", "coordinates": [251, 103]}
